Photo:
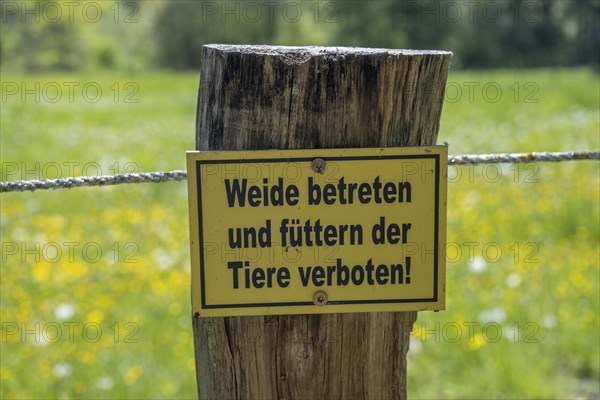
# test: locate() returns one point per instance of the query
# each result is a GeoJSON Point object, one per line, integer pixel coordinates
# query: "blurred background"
{"type": "Point", "coordinates": [141, 35]}
{"type": "Point", "coordinates": [94, 282]}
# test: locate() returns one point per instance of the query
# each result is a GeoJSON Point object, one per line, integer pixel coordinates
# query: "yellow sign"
{"type": "Point", "coordinates": [317, 231]}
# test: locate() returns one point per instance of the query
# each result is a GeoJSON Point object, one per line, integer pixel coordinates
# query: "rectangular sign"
{"type": "Point", "coordinates": [317, 231]}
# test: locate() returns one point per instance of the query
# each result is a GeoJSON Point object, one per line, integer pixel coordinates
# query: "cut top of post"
{"type": "Point", "coordinates": [301, 54]}
{"type": "Point", "coordinates": [276, 97]}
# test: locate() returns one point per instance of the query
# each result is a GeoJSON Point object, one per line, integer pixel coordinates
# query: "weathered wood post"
{"type": "Point", "coordinates": [264, 97]}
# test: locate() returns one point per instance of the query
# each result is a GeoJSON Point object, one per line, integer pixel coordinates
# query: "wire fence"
{"type": "Point", "coordinates": [180, 175]}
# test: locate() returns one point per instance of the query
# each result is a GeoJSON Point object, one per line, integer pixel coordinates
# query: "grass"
{"type": "Point", "coordinates": [520, 323]}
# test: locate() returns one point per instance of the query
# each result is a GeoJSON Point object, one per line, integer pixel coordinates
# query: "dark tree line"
{"type": "Point", "coordinates": [482, 34]}
{"type": "Point", "coordinates": [141, 34]}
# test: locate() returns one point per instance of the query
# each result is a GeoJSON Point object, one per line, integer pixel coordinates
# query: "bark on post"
{"type": "Point", "coordinates": [266, 97]}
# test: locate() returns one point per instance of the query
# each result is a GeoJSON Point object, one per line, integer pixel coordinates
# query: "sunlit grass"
{"type": "Point", "coordinates": [541, 290]}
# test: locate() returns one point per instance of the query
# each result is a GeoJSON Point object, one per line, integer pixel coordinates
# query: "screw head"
{"type": "Point", "coordinates": [318, 165]}
{"type": "Point", "coordinates": [320, 298]}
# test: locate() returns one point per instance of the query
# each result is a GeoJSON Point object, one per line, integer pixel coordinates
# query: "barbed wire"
{"type": "Point", "coordinates": [181, 175]}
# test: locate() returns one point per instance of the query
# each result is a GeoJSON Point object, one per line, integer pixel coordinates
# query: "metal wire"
{"type": "Point", "coordinates": [180, 175]}
{"type": "Point", "coordinates": [523, 157]}
{"type": "Point", "coordinates": [105, 180]}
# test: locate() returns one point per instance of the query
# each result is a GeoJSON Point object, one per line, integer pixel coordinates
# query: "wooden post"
{"type": "Point", "coordinates": [266, 97]}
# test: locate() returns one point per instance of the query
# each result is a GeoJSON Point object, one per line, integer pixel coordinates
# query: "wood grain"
{"type": "Point", "coordinates": [266, 97]}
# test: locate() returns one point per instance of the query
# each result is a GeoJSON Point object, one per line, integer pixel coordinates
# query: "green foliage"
{"type": "Point", "coordinates": [41, 43]}
{"type": "Point", "coordinates": [135, 35]}
{"type": "Point", "coordinates": [183, 27]}
{"type": "Point", "coordinates": [542, 291]}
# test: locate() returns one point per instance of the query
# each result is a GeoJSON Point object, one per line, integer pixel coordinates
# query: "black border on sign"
{"type": "Point", "coordinates": [432, 299]}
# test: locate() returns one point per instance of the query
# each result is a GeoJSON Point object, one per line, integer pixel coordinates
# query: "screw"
{"type": "Point", "coordinates": [320, 298]}
{"type": "Point", "coordinates": [318, 165]}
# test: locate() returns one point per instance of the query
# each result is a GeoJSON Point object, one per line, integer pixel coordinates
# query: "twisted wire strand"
{"type": "Point", "coordinates": [181, 175]}
{"type": "Point", "coordinates": [523, 157]}
{"type": "Point", "coordinates": [104, 180]}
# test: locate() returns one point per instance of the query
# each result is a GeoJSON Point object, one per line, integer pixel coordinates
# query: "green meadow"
{"type": "Point", "coordinates": [95, 282]}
